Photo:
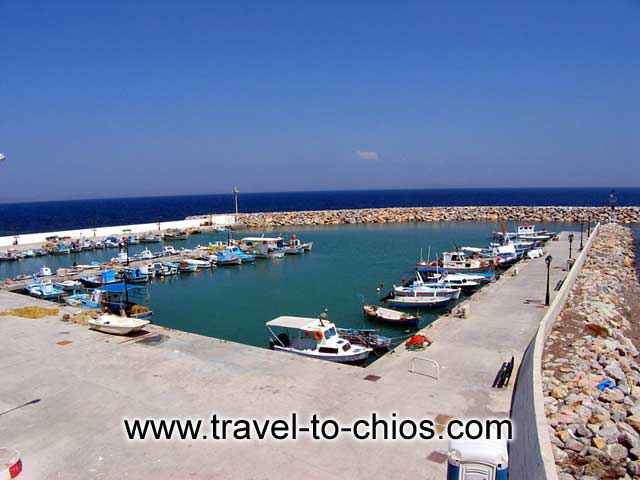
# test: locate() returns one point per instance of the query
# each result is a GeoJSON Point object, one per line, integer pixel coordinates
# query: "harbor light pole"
{"type": "Point", "coordinates": [547, 260]}
{"type": "Point", "coordinates": [581, 233]}
{"type": "Point", "coordinates": [589, 225]}
{"type": "Point", "coordinates": [235, 195]}
{"type": "Point", "coordinates": [570, 244]}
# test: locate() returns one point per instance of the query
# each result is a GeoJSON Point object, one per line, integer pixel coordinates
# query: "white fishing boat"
{"type": "Point", "coordinates": [315, 338]}
{"type": "Point", "coordinates": [44, 290]}
{"type": "Point", "coordinates": [527, 233]}
{"type": "Point", "coordinates": [466, 282]}
{"type": "Point", "coordinates": [116, 324]}
{"type": "Point", "coordinates": [262, 247]}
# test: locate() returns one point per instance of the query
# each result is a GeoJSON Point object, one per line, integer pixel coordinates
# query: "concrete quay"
{"type": "Point", "coordinates": [87, 382]}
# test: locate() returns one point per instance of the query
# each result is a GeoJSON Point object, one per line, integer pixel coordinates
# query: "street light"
{"type": "Point", "coordinates": [570, 244]}
{"type": "Point", "coordinates": [589, 225]}
{"type": "Point", "coordinates": [547, 260]}
{"type": "Point", "coordinates": [235, 194]}
{"type": "Point", "coordinates": [581, 233]}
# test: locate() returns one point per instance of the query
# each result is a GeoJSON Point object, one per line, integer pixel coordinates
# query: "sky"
{"type": "Point", "coordinates": [109, 99]}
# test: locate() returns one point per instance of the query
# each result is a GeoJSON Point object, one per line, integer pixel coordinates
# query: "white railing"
{"type": "Point", "coordinates": [416, 360]}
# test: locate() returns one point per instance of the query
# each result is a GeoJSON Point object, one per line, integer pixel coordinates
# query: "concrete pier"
{"type": "Point", "coordinates": [87, 382]}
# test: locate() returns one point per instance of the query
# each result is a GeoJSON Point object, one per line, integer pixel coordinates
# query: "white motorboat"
{"type": "Point", "coordinates": [315, 338]}
{"type": "Point", "coordinates": [145, 254]}
{"type": "Point", "coordinates": [44, 272]}
{"type": "Point", "coordinates": [116, 324]}
{"type": "Point", "coordinates": [68, 285]}
{"type": "Point", "coordinates": [122, 258]}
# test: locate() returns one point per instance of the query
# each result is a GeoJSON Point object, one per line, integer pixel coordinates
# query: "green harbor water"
{"type": "Point", "coordinates": [347, 264]}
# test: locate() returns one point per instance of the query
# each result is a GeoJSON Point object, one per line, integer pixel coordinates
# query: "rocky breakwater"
{"type": "Point", "coordinates": [436, 214]}
{"type": "Point", "coordinates": [591, 363]}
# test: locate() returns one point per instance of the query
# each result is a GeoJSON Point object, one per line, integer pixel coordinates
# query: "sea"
{"type": "Point", "coordinates": [34, 217]}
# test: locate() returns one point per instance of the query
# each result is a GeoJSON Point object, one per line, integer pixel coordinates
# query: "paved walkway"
{"type": "Point", "coordinates": [88, 382]}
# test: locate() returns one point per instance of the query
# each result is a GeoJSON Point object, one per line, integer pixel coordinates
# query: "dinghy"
{"type": "Point", "coordinates": [390, 316]}
{"type": "Point", "coordinates": [116, 324]}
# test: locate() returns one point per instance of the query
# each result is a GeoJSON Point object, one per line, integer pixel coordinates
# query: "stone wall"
{"type": "Point", "coordinates": [437, 214]}
{"type": "Point", "coordinates": [591, 364]}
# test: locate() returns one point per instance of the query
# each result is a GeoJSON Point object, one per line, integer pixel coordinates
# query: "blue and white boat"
{"type": "Point", "coordinates": [227, 257]}
{"type": "Point", "coordinates": [244, 256]}
{"type": "Point", "coordinates": [103, 278]}
{"type": "Point", "coordinates": [187, 265]}
{"type": "Point", "coordinates": [44, 290]}
{"type": "Point", "coordinates": [111, 242]}
{"type": "Point", "coordinates": [136, 274]}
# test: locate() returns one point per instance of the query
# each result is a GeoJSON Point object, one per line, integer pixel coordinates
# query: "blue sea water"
{"type": "Point", "coordinates": [19, 218]}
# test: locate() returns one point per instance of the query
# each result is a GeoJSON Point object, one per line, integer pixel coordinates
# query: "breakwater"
{"type": "Point", "coordinates": [625, 215]}
{"type": "Point", "coordinates": [591, 366]}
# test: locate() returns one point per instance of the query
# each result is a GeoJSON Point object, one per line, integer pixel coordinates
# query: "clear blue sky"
{"type": "Point", "coordinates": [111, 99]}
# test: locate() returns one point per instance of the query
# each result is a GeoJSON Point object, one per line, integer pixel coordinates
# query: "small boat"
{"type": "Point", "coordinates": [175, 234]}
{"type": "Point", "coordinates": [390, 316]}
{"type": "Point", "coordinates": [367, 337]}
{"type": "Point", "coordinates": [29, 253]}
{"type": "Point", "coordinates": [116, 324]}
{"type": "Point", "coordinates": [244, 257]}
{"type": "Point", "coordinates": [103, 278]}
{"type": "Point", "coordinates": [136, 274]}
{"type": "Point", "coordinates": [44, 290]}
{"type": "Point", "coordinates": [111, 242]}
{"type": "Point", "coordinates": [201, 264]}
{"type": "Point", "coordinates": [465, 282]}
{"type": "Point", "coordinates": [68, 285]}
{"type": "Point", "coordinates": [61, 249]}
{"type": "Point", "coordinates": [526, 232]}
{"type": "Point", "coordinates": [294, 246]}
{"type": "Point", "coordinates": [279, 253]}
{"type": "Point", "coordinates": [165, 269]}
{"type": "Point", "coordinates": [44, 272]}
{"type": "Point", "coordinates": [169, 250]}
{"type": "Point", "coordinates": [86, 300]}
{"type": "Point", "coordinates": [417, 301]}
{"type": "Point", "coordinates": [187, 265]}
{"type": "Point", "coordinates": [122, 258]}
{"type": "Point", "coordinates": [263, 247]}
{"type": "Point", "coordinates": [151, 238]}
{"type": "Point", "coordinates": [132, 239]}
{"type": "Point", "coordinates": [315, 338]}
{"type": "Point", "coordinates": [226, 257]}
{"type": "Point", "coordinates": [145, 254]}
{"type": "Point", "coordinates": [459, 262]}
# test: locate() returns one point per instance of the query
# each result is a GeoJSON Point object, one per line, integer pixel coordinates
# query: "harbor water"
{"type": "Point", "coordinates": [347, 265]}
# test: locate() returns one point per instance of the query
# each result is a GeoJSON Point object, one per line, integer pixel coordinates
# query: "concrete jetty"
{"type": "Point", "coordinates": [87, 382]}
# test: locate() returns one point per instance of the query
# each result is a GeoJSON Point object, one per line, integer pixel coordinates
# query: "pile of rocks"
{"type": "Point", "coordinates": [591, 373]}
{"type": "Point", "coordinates": [437, 214]}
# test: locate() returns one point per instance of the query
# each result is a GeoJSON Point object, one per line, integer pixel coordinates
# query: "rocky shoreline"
{"type": "Point", "coordinates": [591, 366]}
{"type": "Point", "coordinates": [436, 214]}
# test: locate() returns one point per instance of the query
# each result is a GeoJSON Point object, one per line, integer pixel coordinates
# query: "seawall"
{"type": "Point", "coordinates": [438, 214]}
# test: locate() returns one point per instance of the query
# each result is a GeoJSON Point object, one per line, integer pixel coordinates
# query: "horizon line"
{"type": "Point", "coordinates": [138, 197]}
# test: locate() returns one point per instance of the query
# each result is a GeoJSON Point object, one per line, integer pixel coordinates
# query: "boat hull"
{"type": "Point", "coordinates": [352, 358]}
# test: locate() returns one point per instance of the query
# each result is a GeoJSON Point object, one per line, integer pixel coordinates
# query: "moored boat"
{"type": "Point", "coordinates": [315, 338]}
{"type": "Point", "coordinates": [388, 315]}
{"type": "Point", "coordinates": [117, 324]}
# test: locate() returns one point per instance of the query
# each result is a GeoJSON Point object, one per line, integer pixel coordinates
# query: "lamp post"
{"type": "Point", "coordinates": [547, 260]}
{"type": "Point", "coordinates": [570, 244]}
{"type": "Point", "coordinates": [235, 194]}
{"type": "Point", "coordinates": [589, 225]}
{"type": "Point", "coordinates": [126, 246]}
{"type": "Point", "coordinates": [581, 233]}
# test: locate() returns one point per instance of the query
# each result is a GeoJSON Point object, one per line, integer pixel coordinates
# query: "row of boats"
{"type": "Point", "coordinates": [436, 284]}
{"type": "Point", "coordinates": [57, 245]}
